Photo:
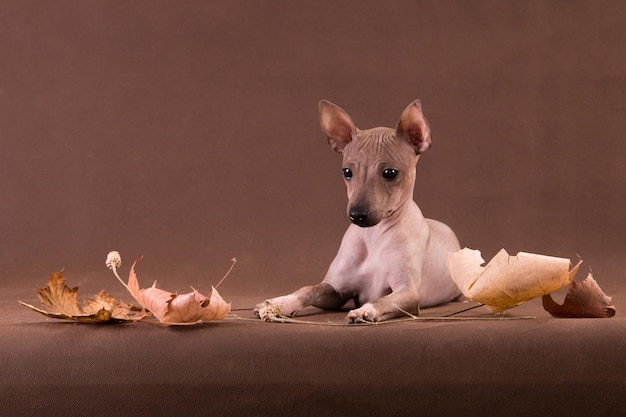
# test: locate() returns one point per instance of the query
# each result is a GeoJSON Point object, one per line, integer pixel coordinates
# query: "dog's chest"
{"type": "Point", "coordinates": [374, 276]}
{"type": "Point", "coordinates": [373, 262]}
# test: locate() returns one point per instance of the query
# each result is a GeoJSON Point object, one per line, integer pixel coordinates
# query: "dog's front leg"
{"type": "Point", "coordinates": [403, 300]}
{"type": "Point", "coordinates": [321, 295]}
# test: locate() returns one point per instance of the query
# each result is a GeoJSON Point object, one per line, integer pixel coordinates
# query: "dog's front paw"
{"type": "Point", "coordinates": [365, 314]}
{"type": "Point", "coordinates": [267, 311]}
{"type": "Point", "coordinates": [285, 306]}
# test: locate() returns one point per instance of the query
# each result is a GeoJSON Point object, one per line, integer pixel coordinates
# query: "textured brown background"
{"type": "Point", "coordinates": [187, 132]}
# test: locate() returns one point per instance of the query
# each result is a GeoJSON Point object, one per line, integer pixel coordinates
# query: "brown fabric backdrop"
{"type": "Point", "coordinates": [187, 132]}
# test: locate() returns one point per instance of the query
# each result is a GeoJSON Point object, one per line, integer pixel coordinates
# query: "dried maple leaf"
{"type": "Point", "coordinates": [584, 299]}
{"type": "Point", "coordinates": [61, 302]}
{"type": "Point", "coordinates": [508, 281]}
{"type": "Point", "coordinates": [174, 309]}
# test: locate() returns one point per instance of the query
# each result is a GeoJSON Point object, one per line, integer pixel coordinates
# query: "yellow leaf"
{"type": "Point", "coordinates": [508, 281]}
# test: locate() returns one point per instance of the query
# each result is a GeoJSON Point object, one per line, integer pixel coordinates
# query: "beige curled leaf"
{"type": "Point", "coordinates": [584, 299]}
{"type": "Point", "coordinates": [508, 281]}
{"type": "Point", "coordinates": [173, 309]}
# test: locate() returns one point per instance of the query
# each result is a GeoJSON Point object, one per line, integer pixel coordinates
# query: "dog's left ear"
{"type": "Point", "coordinates": [414, 127]}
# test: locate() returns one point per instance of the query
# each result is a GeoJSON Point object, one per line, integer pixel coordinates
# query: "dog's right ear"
{"type": "Point", "coordinates": [336, 125]}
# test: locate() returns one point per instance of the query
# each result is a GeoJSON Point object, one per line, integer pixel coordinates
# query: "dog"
{"type": "Point", "coordinates": [391, 259]}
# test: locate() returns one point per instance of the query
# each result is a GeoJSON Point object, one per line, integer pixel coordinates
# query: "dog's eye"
{"type": "Point", "coordinates": [390, 173]}
{"type": "Point", "coordinates": [347, 173]}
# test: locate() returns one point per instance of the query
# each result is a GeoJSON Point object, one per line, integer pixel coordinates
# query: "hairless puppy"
{"type": "Point", "coordinates": [391, 260]}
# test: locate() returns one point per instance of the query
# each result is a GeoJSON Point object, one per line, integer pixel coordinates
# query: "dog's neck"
{"type": "Point", "coordinates": [407, 216]}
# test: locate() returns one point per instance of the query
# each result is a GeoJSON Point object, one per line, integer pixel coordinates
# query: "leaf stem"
{"type": "Point", "coordinates": [463, 311]}
{"type": "Point", "coordinates": [234, 261]}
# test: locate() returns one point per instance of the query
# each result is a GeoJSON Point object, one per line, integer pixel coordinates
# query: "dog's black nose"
{"type": "Point", "coordinates": [360, 217]}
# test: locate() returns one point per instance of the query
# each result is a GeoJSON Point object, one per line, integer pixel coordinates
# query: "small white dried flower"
{"type": "Point", "coordinates": [114, 261]}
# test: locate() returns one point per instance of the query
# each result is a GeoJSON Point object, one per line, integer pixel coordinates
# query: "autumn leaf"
{"type": "Point", "coordinates": [584, 299]}
{"type": "Point", "coordinates": [508, 281]}
{"type": "Point", "coordinates": [171, 308]}
{"type": "Point", "coordinates": [61, 302]}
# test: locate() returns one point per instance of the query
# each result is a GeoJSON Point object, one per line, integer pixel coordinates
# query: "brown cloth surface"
{"type": "Point", "coordinates": [187, 133]}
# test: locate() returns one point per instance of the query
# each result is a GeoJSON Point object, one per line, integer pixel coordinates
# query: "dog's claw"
{"type": "Point", "coordinates": [365, 314]}
{"type": "Point", "coordinates": [358, 320]}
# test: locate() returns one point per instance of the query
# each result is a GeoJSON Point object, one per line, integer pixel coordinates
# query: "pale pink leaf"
{"type": "Point", "coordinates": [170, 308]}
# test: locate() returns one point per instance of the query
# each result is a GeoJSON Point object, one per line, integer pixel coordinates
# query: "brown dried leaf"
{"type": "Point", "coordinates": [508, 281]}
{"type": "Point", "coordinates": [585, 299]}
{"type": "Point", "coordinates": [100, 301]}
{"type": "Point", "coordinates": [61, 302]}
{"type": "Point", "coordinates": [173, 309]}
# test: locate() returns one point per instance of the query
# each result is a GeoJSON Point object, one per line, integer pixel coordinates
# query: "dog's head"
{"type": "Point", "coordinates": [379, 163]}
